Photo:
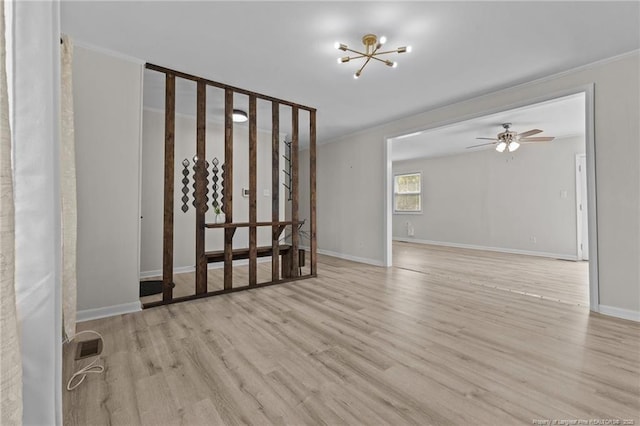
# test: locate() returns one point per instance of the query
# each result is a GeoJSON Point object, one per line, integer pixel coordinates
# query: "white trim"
{"type": "Point", "coordinates": [186, 269]}
{"type": "Point", "coordinates": [387, 219]}
{"type": "Point", "coordinates": [627, 314]}
{"type": "Point", "coordinates": [105, 51]}
{"type": "Point", "coordinates": [140, 139]}
{"type": "Point", "coordinates": [592, 211]}
{"type": "Point", "coordinates": [108, 311]}
{"type": "Point", "coordinates": [496, 249]}
{"type": "Point", "coordinates": [368, 261]}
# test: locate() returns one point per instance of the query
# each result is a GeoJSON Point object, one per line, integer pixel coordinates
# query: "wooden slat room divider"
{"type": "Point", "coordinates": [286, 259]}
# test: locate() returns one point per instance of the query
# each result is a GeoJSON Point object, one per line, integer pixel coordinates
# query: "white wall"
{"type": "Point", "coordinates": [107, 98]}
{"type": "Point", "coordinates": [498, 200]}
{"type": "Point", "coordinates": [184, 223]}
{"type": "Point", "coordinates": [351, 173]}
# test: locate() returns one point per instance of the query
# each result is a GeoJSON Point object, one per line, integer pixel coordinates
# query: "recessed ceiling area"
{"type": "Point", "coordinates": [563, 117]}
{"type": "Point", "coordinates": [286, 49]}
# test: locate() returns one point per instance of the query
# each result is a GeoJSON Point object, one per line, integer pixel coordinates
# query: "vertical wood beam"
{"type": "Point", "coordinates": [201, 187]}
{"type": "Point", "coordinates": [294, 191]}
{"type": "Point", "coordinates": [169, 155]}
{"type": "Point", "coordinates": [312, 192]}
{"type": "Point", "coordinates": [253, 190]}
{"type": "Point", "coordinates": [228, 188]}
{"type": "Point", "coordinates": [275, 190]}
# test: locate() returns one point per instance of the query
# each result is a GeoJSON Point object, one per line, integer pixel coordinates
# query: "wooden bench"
{"type": "Point", "coordinates": [285, 252]}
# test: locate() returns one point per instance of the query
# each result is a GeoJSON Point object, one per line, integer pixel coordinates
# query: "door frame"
{"type": "Point", "coordinates": [588, 90]}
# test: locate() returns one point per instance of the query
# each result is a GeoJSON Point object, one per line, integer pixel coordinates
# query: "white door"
{"type": "Point", "coordinates": [582, 213]}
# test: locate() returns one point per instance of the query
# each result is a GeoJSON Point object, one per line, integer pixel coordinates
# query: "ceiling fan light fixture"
{"type": "Point", "coordinates": [513, 146]}
{"type": "Point", "coordinates": [239, 116]}
{"type": "Point", "coordinates": [501, 146]}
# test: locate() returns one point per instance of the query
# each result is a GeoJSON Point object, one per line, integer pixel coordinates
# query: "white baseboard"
{"type": "Point", "coordinates": [217, 265]}
{"type": "Point", "coordinates": [612, 311]}
{"type": "Point", "coordinates": [373, 262]}
{"type": "Point", "coordinates": [496, 249]}
{"type": "Point", "coordinates": [108, 311]}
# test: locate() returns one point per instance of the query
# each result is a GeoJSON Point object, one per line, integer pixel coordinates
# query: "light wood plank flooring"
{"type": "Point", "coordinates": [559, 280]}
{"type": "Point", "coordinates": [361, 345]}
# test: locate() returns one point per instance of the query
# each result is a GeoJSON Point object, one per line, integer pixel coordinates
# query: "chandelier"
{"type": "Point", "coordinates": [372, 46]}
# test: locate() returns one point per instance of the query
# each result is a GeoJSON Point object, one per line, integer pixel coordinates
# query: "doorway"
{"type": "Point", "coordinates": [585, 248]}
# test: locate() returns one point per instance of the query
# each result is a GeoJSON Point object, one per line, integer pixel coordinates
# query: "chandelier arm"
{"type": "Point", "coordinates": [364, 65]}
{"type": "Point", "coordinates": [357, 57]}
{"type": "Point", "coordinates": [355, 51]}
{"type": "Point", "coordinates": [378, 59]}
{"type": "Point", "coordinates": [387, 51]}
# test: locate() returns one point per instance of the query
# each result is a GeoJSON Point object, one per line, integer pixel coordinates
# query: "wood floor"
{"type": "Point", "coordinates": [559, 280]}
{"type": "Point", "coordinates": [362, 345]}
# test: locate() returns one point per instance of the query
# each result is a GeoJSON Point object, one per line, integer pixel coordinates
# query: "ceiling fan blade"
{"type": "Point", "coordinates": [529, 133]}
{"type": "Point", "coordinates": [482, 144]}
{"type": "Point", "coordinates": [538, 139]}
{"type": "Point", "coordinates": [488, 139]}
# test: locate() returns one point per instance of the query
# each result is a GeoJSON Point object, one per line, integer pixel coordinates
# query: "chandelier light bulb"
{"type": "Point", "coordinates": [339, 60]}
{"type": "Point", "coordinates": [356, 75]}
{"type": "Point", "coordinates": [340, 46]}
{"type": "Point", "coordinates": [383, 40]}
{"type": "Point", "coordinates": [394, 65]}
{"type": "Point", "coordinates": [501, 146]}
{"type": "Point", "coordinates": [409, 49]}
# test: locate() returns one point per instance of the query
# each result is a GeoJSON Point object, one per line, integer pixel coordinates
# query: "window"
{"type": "Point", "coordinates": [407, 195]}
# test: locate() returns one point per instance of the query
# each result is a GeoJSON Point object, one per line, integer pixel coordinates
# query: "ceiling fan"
{"type": "Point", "coordinates": [510, 140]}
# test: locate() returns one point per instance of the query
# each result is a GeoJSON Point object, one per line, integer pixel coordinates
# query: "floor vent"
{"type": "Point", "coordinates": [88, 348]}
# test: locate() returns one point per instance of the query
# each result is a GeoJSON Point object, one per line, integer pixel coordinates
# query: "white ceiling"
{"type": "Point", "coordinates": [285, 49]}
{"type": "Point", "coordinates": [563, 117]}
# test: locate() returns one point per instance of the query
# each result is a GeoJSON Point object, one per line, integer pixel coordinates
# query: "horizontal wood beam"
{"type": "Point", "coordinates": [225, 291]}
{"type": "Point", "coordinates": [225, 86]}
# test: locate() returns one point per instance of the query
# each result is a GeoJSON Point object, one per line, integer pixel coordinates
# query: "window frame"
{"type": "Point", "coordinates": [395, 176]}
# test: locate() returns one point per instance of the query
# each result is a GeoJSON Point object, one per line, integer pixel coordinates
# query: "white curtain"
{"type": "Point", "coordinates": [34, 98]}
{"type": "Point", "coordinates": [10, 358]}
{"type": "Point", "coordinates": [68, 190]}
